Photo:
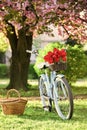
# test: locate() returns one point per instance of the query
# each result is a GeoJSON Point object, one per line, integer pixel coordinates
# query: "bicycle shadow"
{"type": "Point", "coordinates": [37, 113]}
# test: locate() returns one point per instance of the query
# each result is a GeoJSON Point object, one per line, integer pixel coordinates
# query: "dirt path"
{"type": "Point", "coordinates": [81, 96]}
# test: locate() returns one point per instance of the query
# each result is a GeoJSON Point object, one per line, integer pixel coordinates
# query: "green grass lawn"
{"type": "Point", "coordinates": [78, 88]}
{"type": "Point", "coordinates": [33, 88]}
{"type": "Point", "coordinates": [34, 118]}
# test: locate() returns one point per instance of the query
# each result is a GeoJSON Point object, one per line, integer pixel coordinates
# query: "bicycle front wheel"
{"type": "Point", "coordinates": [46, 101]}
{"type": "Point", "coordinates": [63, 98]}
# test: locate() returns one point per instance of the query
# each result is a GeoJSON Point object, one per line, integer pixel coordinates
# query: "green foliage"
{"type": "Point", "coordinates": [4, 71]}
{"type": "Point", "coordinates": [76, 60]}
{"type": "Point", "coordinates": [76, 63]}
{"type": "Point", "coordinates": [32, 74]}
{"type": "Point", "coordinates": [43, 52]}
{"type": "Point", "coordinates": [3, 43]}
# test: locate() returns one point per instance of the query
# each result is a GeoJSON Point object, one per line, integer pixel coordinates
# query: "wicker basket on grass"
{"type": "Point", "coordinates": [13, 106]}
{"type": "Point", "coordinates": [58, 66]}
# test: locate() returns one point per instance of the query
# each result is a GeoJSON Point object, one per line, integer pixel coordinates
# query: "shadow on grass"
{"type": "Point", "coordinates": [37, 113]}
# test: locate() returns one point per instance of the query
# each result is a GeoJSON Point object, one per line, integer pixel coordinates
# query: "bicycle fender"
{"type": "Point", "coordinates": [60, 76]}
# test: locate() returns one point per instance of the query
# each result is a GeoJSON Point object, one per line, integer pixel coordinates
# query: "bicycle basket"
{"type": "Point", "coordinates": [58, 66]}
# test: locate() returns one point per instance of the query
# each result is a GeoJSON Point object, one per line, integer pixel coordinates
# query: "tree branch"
{"type": "Point", "coordinates": [84, 20]}
{"type": "Point", "coordinates": [11, 35]}
{"type": "Point", "coordinates": [65, 29]}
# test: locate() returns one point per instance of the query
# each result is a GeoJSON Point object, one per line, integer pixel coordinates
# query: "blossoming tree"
{"type": "Point", "coordinates": [19, 19]}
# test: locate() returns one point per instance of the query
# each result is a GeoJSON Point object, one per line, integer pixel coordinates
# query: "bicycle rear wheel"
{"type": "Point", "coordinates": [63, 98]}
{"type": "Point", "coordinates": [46, 101]}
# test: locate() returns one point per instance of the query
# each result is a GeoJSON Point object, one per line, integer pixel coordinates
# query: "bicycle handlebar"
{"type": "Point", "coordinates": [32, 51]}
{"type": "Point", "coordinates": [28, 51]}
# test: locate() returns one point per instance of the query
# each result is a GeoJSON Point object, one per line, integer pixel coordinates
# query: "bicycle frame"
{"type": "Point", "coordinates": [49, 82]}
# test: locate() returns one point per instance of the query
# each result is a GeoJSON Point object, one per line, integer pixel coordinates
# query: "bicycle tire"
{"type": "Point", "coordinates": [63, 98]}
{"type": "Point", "coordinates": [46, 101]}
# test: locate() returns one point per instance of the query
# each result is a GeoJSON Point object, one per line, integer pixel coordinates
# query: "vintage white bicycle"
{"type": "Point", "coordinates": [54, 88]}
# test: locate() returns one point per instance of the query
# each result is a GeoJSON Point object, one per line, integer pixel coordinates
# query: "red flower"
{"type": "Point", "coordinates": [63, 55]}
{"type": "Point", "coordinates": [55, 56]}
{"type": "Point", "coordinates": [48, 58]}
{"type": "Point", "coordinates": [64, 59]}
{"type": "Point", "coordinates": [63, 52]}
{"type": "Point", "coordinates": [56, 52]}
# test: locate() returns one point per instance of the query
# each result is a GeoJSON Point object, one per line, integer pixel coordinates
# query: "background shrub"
{"type": "Point", "coordinates": [32, 74]}
{"type": "Point", "coordinates": [76, 63]}
{"type": "Point", "coordinates": [76, 60]}
{"type": "Point", "coordinates": [4, 71]}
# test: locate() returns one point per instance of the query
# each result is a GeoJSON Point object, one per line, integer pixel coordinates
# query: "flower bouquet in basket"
{"type": "Point", "coordinates": [57, 59]}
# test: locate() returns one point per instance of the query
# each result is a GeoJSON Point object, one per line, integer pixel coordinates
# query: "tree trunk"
{"type": "Point", "coordinates": [20, 59]}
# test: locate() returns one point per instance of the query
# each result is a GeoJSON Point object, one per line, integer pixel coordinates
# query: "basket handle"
{"type": "Point", "coordinates": [14, 90]}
